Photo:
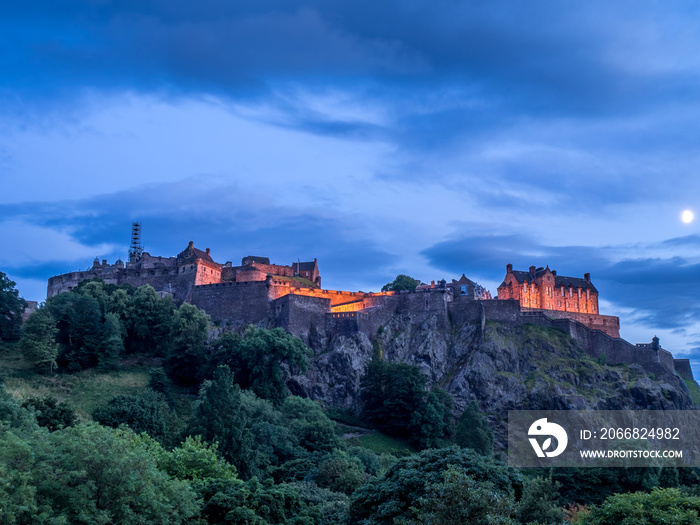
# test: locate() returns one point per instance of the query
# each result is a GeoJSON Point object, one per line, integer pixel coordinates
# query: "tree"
{"type": "Point", "coordinates": [38, 343]}
{"type": "Point", "coordinates": [472, 431]}
{"type": "Point", "coordinates": [187, 355]}
{"type": "Point", "coordinates": [87, 474]}
{"type": "Point", "coordinates": [460, 499]}
{"type": "Point", "coordinates": [197, 461]}
{"type": "Point", "coordinates": [433, 422]}
{"type": "Point", "coordinates": [148, 320]}
{"type": "Point", "coordinates": [250, 432]}
{"type": "Point", "coordinates": [540, 502]}
{"type": "Point", "coordinates": [256, 503]}
{"type": "Point", "coordinates": [339, 472]}
{"type": "Point", "coordinates": [80, 330]}
{"type": "Point", "coordinates": [402, 282]}
{"type": "Point", "coordinates": [263, 359]}
{"type": "Point", "coordinates": [391, 393]}
{"type": "Point", "coordinates": [395, 400]}
{"type": "Point", "coordinates": [658, 507]}
{"type": "Point", "coordinates": [145, 413]}
{"type": "Point", "coordinates": [11, 308]}
{"type": "Point", "coordinates": [313, 430]}
{"type": "Point", "coordinates": [50, 413]}
{"type": "Point", "coordinates": [388, 499]}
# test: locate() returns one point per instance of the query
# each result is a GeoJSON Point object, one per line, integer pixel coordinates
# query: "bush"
{"type": "Point", "coordinates": [145, 413]}
{"type": "Point", "coordinates": [391, 497]}
{"type": "Point", "coordinates": [50, 413]}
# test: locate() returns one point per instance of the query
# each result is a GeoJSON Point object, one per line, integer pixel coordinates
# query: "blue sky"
{"type": "Point", "coordinates": [428, 138]}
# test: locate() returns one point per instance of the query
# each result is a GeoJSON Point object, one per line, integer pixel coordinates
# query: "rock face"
{"type": "Point", "coordinates": [501, 367]}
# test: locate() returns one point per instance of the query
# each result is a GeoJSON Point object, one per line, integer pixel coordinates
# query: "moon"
{"type": "Point", "coordinates": [687, 216]}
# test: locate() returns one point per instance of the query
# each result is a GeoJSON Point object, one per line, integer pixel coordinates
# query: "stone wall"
{"type": "Point", "coordinates": [233, 302]}
{"type": "Point", "coordinates": [682, 366]}
{"type": "Point", "coordinates": [605, 323]}
{"type": "Point", "coordinates": [300, 315]}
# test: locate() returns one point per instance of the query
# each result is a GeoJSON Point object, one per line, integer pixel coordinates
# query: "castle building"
{"type": "Point", "coordinates": [463, 287]}
{"type": "Point", "coordinates": [541, 289]}
{"type": "Point", "coordinates": [179, 276]}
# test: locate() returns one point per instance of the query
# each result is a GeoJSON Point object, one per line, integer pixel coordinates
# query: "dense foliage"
{"type": "Point", "coordinates": [145, 413]}
{"type": "Point", "coordinates": [472, 431]}
{"type": "Point", "coordinates": [405, 489]}
{"type": "Point", "coordinates": [396, 401]}
{"type": "Point", "coordinates": [50, 413]}
{"type": "Point", "coordinates": [11, 308]}
{"type": "Point", "coordinates": [90, 325]}
{"type": "Point", "coordinates": [402, 282]}
{"type": "Point", "coordinates": [261, 360]}
{"type": "Point", "coordinates": [82, 474]}
{"type": "Point", "coordinates": [658, 507]}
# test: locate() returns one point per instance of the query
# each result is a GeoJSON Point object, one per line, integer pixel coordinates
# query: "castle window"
{"type": "Point", "coordinates": [579, 293]}
{"type": "Point", "coordinates": [532, 287]}
{"type": "Point", "coordinates": [463, 289]}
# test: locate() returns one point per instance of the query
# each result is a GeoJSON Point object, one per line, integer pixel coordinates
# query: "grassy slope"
{"type": "Point", "coordinates": [694, 391]}
{"type": "Point", "coordinates": [83, 391]}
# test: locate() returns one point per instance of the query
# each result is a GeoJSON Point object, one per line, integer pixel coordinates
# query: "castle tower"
{"type": "Point", "coordinates": [136, 249]}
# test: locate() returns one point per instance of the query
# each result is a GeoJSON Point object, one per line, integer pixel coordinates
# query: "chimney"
{"type": "Point", "coordinates": [509, 268]}
{"type": "Point", "coordinates": [432, 284]}
{"type": "Point", "coordinates": [554, 273]}
{"type": "Point", "coordinates": [587, 276]}
{"type": "Point", "coordinates": [190, 244]}
{"type": "Point", "coordinates": [104, 262]}
{"type": "Point", "coordinates": [208, 251]}
{"type": "Point", "coordinates": [532, 270]}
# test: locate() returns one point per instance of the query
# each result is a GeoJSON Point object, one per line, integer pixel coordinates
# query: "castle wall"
{"type": "Point", "coordinates": [244, 303]}
{"type": "Point", "coordinates": [605, 323]}
{"type": "Point", "coordinates": [250, 275]}
{"type": "Point", "coordinates": [280, 288]}
{"type": "Point", "coordinates": [346, 323]}
{"type": "Point", "coordinates": [465, 310]}
{"type": "Point", "coordinates": [299, 314]}
{"type": "Point", "coordinates": [682, 366]}
{"type": "Point", "coordinates": [666, 360]}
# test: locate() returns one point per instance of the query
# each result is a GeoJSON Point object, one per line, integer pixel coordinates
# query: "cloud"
{"type": "Point", "coordinates": [31, 244]}
{"type": "Point", "coordinates": [523, 104]}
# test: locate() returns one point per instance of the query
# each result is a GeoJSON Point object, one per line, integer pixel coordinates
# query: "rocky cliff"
{"type": "Point", "coordinates": [502, 367]}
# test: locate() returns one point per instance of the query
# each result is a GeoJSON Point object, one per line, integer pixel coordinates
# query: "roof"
{"type": "Point", "coordinates": [191, 252]}
{"type": "Point", "coordinates": [559, 280]}
{"type": "Point", "coordinates": [573, 282]}
{"type": "Point", "coordinates": [304, 266]}
{"type": "Point", "coordinates": [254, 259]}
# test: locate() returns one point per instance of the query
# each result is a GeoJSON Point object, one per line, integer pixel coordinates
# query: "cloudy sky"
{"type": "Point", "coordinates": [432, 138]}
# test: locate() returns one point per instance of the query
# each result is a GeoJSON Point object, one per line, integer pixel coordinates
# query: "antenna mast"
{"type": "Point", "coordinates": [136, 249]}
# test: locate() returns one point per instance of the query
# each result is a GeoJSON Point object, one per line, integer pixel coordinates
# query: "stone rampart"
{"type": "Point", "coordinates": [233, 302]}
{"type": "Point", "coordinates": [605, 323]}
{"type": "Point", "coordinates": [683, 368]}
{"type": "Point", "coordinates": [300, 315]}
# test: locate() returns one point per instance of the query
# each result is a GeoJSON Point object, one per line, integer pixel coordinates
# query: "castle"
{"type": "Point", "coordinates": [291, 297]}
{"type": "Point", "coordinates": [541, 289]}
